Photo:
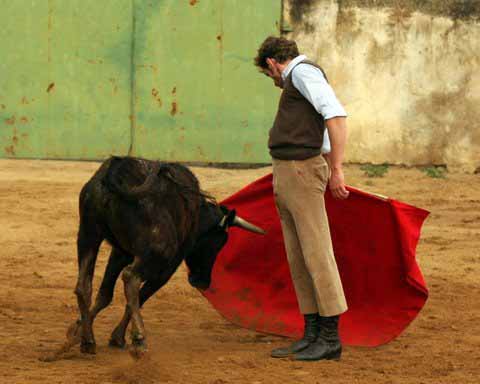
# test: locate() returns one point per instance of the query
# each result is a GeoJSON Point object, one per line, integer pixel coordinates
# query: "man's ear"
{"type": "Point", "coordinates": [270, 62]}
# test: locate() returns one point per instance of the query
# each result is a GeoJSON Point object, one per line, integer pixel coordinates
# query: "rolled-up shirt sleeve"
{"type": "Point", "coordinates": [326, 147]}
{"type": "Point", "coordinates": [311, 83]}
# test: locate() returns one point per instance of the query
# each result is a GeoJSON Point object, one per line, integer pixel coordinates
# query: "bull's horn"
{"type": "Point", "coordinates": [242, 223]}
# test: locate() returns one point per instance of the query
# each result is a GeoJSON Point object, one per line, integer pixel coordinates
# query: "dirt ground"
{"type": "Point", "coordinates": [189, 342]}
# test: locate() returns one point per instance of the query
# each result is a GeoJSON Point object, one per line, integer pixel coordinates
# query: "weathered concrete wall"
{"type": "Point", "coordinates": [407, 71]}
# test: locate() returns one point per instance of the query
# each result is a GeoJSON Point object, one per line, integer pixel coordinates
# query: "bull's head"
{"type": "Point", "coordinates": [213, 234]}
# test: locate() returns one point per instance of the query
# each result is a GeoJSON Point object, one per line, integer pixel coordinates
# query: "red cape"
{"type": "Point", "coordinates": [374, 240]}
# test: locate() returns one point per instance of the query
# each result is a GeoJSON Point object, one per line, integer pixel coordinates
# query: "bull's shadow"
{"type": "Point", "coordinates": [154, 215]}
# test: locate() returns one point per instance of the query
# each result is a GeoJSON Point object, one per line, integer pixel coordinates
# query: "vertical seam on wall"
{"type": "Point", "coordinates": [47, 151]}
{"type": "Point", "coordinates": [133, 94]}
{"type": "Point", "coordinates": [282, 20]}
{"type": "Point", "coordinates": [218, 153]}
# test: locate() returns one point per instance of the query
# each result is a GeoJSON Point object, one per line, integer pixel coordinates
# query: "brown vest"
{"type": "Point", "coordinates": [297, 133]}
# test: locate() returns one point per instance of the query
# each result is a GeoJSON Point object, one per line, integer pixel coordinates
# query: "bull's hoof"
{"type": "Point", "coordinates": [116, 342]}
{"type": "Point", "coordinates": [88, 347]}
{"type": "Point", "coordinates": [138, 349]}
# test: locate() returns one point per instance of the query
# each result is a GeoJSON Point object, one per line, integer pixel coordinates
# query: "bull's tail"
{"type": "Point", "coordinates": [131, 179]}
{"type": "Point", "coordinates": [134, 179]}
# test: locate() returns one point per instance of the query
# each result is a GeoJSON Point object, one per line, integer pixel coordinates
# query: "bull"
{"type": "Point", "coordinates": [154, 215]}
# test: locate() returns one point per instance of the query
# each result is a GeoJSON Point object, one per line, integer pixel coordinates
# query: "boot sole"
{"type": "Point", "coordinates": [281, 356]}
{"type": "Point", "coordinates": [334, 356]}
{"type": "Point", "coordinates": [289, 354]}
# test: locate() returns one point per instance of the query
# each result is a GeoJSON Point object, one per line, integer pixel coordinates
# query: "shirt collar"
{"type": "Point", "coordinates": [291, 65]}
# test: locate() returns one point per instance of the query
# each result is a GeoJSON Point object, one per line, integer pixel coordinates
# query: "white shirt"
{"type": "Point", "coordinates": [313, 85]}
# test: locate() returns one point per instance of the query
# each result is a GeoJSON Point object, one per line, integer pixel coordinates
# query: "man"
{"type": "Point", "coordinates": [300, 177]}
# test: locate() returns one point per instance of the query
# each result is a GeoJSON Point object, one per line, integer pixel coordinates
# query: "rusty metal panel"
{"type": "Point", "coordinates": [65, 78]}
{"type": "Point", "coordinates": [170, 79]}
{"type": "Point", "coordinates": [198, 96]}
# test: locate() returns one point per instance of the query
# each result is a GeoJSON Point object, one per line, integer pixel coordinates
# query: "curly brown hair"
{"type": "Point", "coordinates": [277, 48]}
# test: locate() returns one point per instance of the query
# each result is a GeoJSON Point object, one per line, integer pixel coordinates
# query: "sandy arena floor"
{"type": "Point", "coordinates": [189, 342]}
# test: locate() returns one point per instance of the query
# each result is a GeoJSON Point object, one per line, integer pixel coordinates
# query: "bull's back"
{"type": "Point", "coordinates": [168, 214]}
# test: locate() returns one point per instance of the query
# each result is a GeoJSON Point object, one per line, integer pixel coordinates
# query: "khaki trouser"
{"type": "Point", "coordinates": [299, 187]}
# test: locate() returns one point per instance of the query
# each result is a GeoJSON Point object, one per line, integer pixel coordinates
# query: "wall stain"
{"type": "Point", "coordinates": [387, 54]}
{"type": "Point", "coordinates": [465, 10]}
{"type": "Point", "coordinates": [200, 152]}
{"type": "Point", "coordinates": [174, 109]}
{"type": "Point", "coordinates": [113, 81]}
{"type": "Point", "coordinates": [453, 9]}
{"type": "Point", "coordinates": [194, 2]}
{"type": "Point", "coordinates": [15, 137]}
{"type": "Point", "coordinates": [10, 150]}
{"type": "Point", "coordinates": [153, 67]}
{"type": "Point", "coordinates": [247, 149]}
{"type": "Point", "coordinates": [156, 96]}
{"type": "Point", "coordinates": [400, 16]}
{"type": "Point", "coordinates": [298, 8]}
{"type": "Point", "coordinates": [347, 27]}
{"type": "Point", "coordinates": [10, 121]}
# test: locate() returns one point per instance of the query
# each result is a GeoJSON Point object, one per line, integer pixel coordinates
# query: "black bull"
{"type": "Point", "coordinates": [154, 215]}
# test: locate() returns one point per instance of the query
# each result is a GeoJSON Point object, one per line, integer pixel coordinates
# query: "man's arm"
{"type": "Point", "coordinates": [312, 84]}
{"type": "Point", "coordinates": [337, 130]}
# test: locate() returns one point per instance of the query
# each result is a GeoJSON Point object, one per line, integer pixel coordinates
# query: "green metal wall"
{"type": "Point", "coordinates": [165, 79]}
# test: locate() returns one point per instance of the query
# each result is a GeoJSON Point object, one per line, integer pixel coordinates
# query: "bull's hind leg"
{"type": "Point", "coordinates": [148, 289]}
{"type": "Point", "coordinates": [116, 262]}
{"type": "Point", "coordinates": [88, 243]}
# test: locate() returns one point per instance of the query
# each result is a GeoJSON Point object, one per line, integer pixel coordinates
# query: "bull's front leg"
{"type": "Point", "coordinates": [132, 281]}
{"type": "Point", "coordinates": [117, 338]}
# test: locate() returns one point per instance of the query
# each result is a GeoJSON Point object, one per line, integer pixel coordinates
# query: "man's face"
{"type": "Point", "coordinates": [274, 71]}
{"type": "Point", "coordinates": [267, 73]}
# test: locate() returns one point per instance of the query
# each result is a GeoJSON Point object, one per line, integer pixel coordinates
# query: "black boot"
{"type": "Point", "coordinates": [327, 346]}
{"type": "Point", "coordinates": [309, 336]}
